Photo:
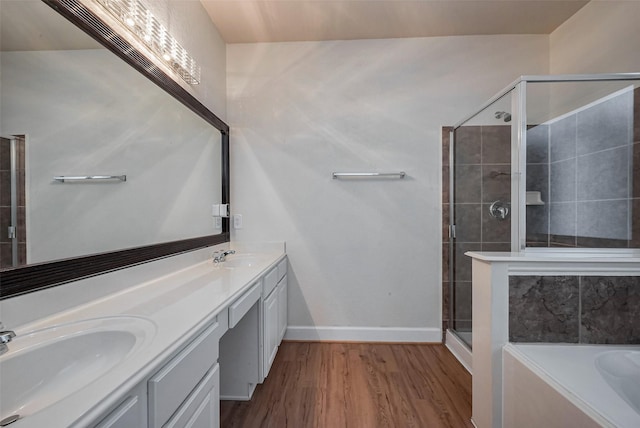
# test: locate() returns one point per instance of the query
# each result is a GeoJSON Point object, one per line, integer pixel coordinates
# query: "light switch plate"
{"type": "Point", "coordinates": [237, 221]}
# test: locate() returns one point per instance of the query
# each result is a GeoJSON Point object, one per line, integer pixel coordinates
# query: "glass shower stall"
{"type": "Point", "coordinates": [549, 162]}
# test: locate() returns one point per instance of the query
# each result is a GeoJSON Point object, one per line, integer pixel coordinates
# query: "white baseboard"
{"type": "Point", "coordinates": [459, 350]}
{"type": "Point", "coordinates": [365, 334]}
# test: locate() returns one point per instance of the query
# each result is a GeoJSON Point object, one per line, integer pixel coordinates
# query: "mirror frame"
{"type": "Point", "coordinates": [30, 278]}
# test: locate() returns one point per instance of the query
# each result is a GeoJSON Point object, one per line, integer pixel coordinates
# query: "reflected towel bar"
{"type": "Point", "coordinates": [63, 178]}
{"type": "Point", "coordinates": [400, 174]}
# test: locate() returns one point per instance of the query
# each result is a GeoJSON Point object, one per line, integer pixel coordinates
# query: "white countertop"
{"type": "Point", "coordinates": [551, 256]}
{"type": "Point", "coordinates": [179, 304]}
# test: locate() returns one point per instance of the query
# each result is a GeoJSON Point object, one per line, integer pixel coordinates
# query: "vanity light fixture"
{"type": "Point", "coordinates": [141, 22]}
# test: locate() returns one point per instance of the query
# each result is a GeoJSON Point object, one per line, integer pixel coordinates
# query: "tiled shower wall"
{"type": "Point", "coordinates": [587, 167]}
{"type": "Point", "coordinates": [574, 309]}
{"type": "Point", "coordinates": [482, 176]}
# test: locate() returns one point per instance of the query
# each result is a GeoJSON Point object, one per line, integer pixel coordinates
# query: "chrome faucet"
{"type": "Point", "coordinates": [5, 337]}
{"type": "Point", "coordinates": [222, 256]}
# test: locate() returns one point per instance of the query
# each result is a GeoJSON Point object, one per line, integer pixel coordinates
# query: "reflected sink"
{"type": "Point", "coordinates": [45, 366]}
{"type": "Point", "coordinates": [242, 260]}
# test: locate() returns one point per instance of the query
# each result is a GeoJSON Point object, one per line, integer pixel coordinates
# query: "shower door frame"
{"type": "Point", "coordinates": [517, 215]}
{"type": "Point", "coordinates": [518, 167]}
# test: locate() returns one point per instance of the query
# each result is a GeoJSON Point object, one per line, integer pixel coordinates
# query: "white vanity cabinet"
{"type": "Point", "coordinates": [271, 327]}
{"type": "Point", "coordinates": [224, 358]}
{"type": "Point", "coordinates": [274, 311]}
{"type": "Point", "coordinates": [240, 347]}
{"type": "Point", "coordinates": [184, 392]}
{"type": "Point", "coordinates": [201, 409]}
{"type": "Point", "coordinates": [256, 328]}
{"type": "Point", "coordinates": [282, 308]}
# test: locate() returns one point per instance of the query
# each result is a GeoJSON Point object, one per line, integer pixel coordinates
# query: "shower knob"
{"type": "Point", "coordinates": [499, 210]}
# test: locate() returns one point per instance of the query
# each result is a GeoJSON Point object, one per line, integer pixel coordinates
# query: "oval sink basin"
{"type": "Point", "coordinates": [45, 366]}
{"type": "Point", "coordinates": [242, 260]}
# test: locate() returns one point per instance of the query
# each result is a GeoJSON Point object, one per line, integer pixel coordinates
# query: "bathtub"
{"type": "Point", "coordinates": [558, 385]}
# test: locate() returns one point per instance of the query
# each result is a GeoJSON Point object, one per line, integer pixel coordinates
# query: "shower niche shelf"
{"type": "Point", "coordinates": [534, 198]}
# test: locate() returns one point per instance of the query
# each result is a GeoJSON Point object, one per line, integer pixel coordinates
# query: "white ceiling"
{"type": "Point", "coordinates": [249, 21]}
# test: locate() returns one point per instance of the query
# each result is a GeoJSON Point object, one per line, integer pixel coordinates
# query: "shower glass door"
{"type": "Point", "coordinates": [480, 201]}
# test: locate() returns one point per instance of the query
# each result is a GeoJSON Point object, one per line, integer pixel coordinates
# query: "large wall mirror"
{"type": "Point", "coordinates": [102, 157]}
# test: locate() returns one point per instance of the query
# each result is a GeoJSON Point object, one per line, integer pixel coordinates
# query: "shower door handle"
{"type": "Point", "coordinates": [499, 210]}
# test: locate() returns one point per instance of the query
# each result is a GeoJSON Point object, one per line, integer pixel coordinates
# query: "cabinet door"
{"type": "Point", "coordinates": [270, 330]}
{"type": "Point", "coordinates": [282, 309]}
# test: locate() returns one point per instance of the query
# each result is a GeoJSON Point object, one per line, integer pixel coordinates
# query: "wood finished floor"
{"type": "Point", "coordinates": [336, 385]}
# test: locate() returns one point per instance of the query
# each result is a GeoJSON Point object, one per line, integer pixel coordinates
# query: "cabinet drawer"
{"type": "Point", "coordinates": [126, 415]}
{"type": "Point", "coordinates": [199, 405]}
{"type": "Point", "coordinates": [270, 281]}
{"type": "Point", "coordinates": [174, 382]}
{"type": "Point", "coordinates": [282, 268]}
{"type": "Point", "coordinates": [241, 306]}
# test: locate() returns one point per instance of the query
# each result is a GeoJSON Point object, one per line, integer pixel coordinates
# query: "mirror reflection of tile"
{"type": "Point", "coordinates": [6, 244]}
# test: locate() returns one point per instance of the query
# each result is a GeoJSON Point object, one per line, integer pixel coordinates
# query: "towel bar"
{"type": "Point", "coordinates": [400, 174]}
{"type": "Point", "coordinates": [63, 178]}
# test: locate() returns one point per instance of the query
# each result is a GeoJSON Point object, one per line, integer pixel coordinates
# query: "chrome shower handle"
{"type": "Point", "coordinates": [499, 210]}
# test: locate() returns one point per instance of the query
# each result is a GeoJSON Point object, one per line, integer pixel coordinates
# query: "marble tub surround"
{"type": "Point", "coordinates": [179, 304]}
{"type": "Point", "coordinates": [574, 309]}
{"type": "Point", "coordinates": [610, 310]}
{"type": "Point", "coordinates": [543, 309]}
